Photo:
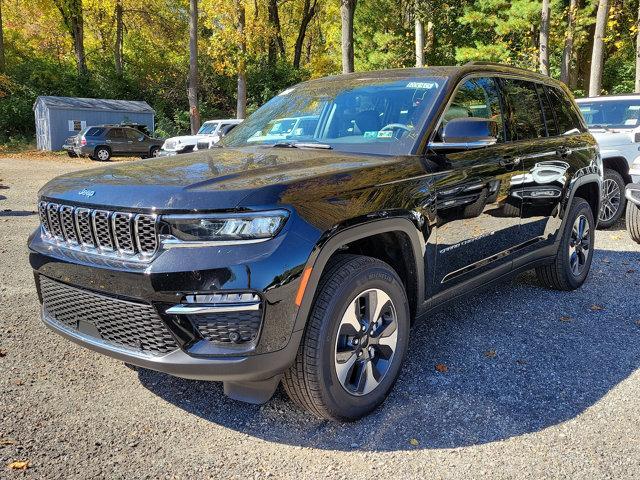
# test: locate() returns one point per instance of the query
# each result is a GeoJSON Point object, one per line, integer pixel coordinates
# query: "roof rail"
{"type": "Point", "coordinates": [496, 64]}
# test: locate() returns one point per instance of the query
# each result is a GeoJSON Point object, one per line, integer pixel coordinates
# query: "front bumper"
{"type": "Point", "coordinates": [270, 270]}
{"type": "Point", "coordinates": [632, 193]}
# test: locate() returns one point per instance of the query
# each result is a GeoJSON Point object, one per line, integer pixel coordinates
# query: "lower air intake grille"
{"type": "Point", "coordinates": [131, 325]}
{"type": "Point", "coordinates": [233, 327]}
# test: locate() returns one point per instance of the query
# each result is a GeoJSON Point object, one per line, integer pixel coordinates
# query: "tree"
{"type": "Point", "coordinates": [73, 19]}
{"type": "Point", "coordinates": [192, 90]}
{"type": "Point", "coordinates": [347, 12]}
{"type": "Point", "coordinates": [241, 103]}
{"type": "Point", "coordinates": [637, 82]}
{"type": "Point", "coordinates": [308, 12]}
{"type": "Point", "coordinates": [597, 55]}
{"type": "Point", "coordinates": [2, 61]}
{"type": "Point", "coordinates": [117, 49]}
{"type": "Point", "coordinates": [544, 38]}
{"type": "Point", "coordinates": [567, 52]}
{"type": "Point", "coordinates": [419, 36]}
{"type": "Point", "coordinates": [276, 44]}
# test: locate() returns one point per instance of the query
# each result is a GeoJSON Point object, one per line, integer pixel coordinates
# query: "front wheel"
{"type": "Point", "coordinates": [571, 266]}
{"type": "Point", "coordinates": [613, 200]}
{"type": "Point", "coordinates": [355, 340]}
{"type": "Point", "coordinates": [633, 222]}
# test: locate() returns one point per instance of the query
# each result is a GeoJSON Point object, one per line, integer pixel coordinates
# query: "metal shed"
{"type": "Point", "coordinates": [58, 118]}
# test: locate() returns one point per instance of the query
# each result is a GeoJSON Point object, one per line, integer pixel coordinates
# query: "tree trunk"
{"type": "Point", "coordinates": [597, 56]}
{"type": "Point", "coordinates": [308, 13]}
{"type": "Point", "coordinates": [73, 18]}
{"type": "Point", "coordinates": [192, 89]}
{"type": "Point", "coordinates": [117, 51]}
{"type": "Point", "coordinates": [544, 38]}
{"type": "Point", "coordinates": [419, 42]}
{"type": "Point", "coordinates": [637, 85]}
{"type": "Point", "coordinates": [347, 11]}
{"type": "Point", "coordinates": [241, 104]}
{"type": "Point", "coordinates": [567, 53]}
{"type": "Point", "coordinates": [276, 44]}
{"type": "Point", "coordinates": [2, 60]}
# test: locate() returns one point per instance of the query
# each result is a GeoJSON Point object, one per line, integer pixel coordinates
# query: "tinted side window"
{"type": "Point", "coordinates": [524, 111]}
{"type": "Point", "coordinates": [115, 134]}
{"type": "Point", "coordinates": [479, 98]}
{"type": "Point", "coordinates": [548, 111]}
{"type": "Point", "coordinates": [94, 132]}
{"type": "Point", "coordinates": [568, 121]}
{"type": "Point", "coordinates": [133, 134]}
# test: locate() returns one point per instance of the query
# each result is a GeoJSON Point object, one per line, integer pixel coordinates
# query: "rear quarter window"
{"type": "Point", "coordinates": [567, 116]}
{"type": "Point", "coordinates": [94, 132]}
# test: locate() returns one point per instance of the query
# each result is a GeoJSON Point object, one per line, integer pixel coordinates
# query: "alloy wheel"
{"type": "Point", "coordinates": [611, 196]}
{"type": "Point", "coordinates": [103, 154]}
{"type": "Point", "coordinates": [579, 245]}
{"type": "Point", "coordinates": [366, 342]}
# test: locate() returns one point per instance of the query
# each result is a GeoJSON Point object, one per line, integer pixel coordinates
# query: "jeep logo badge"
{"type": "Point", "coordinates": [87, 193]}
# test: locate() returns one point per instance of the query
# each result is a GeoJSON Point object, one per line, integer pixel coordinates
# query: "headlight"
{"type": "Point", "coordinates": [225, 227]}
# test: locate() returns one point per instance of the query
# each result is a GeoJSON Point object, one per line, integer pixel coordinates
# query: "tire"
{"type": "Point", "coordinates": [560, 275]}
{"type": "Point", "coordinates": [633, 222]}
{"type": "Point", "coordinates": [152, 152]}
{"type": "Point", "coordinates": [72, 154]}
{"type": "Point", "coordinates": [613, 199]}
{"type": "Point", "coordinates": [102, 154]}
{"type": "Point", "coordinates": [312, 382]}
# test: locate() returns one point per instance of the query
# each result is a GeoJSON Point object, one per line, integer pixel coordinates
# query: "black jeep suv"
{"type": "Point", "coordinates": [303, 254]}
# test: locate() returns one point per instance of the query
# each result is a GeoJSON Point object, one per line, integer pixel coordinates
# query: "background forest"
{"type": "Point", "coordinates": [143, 49]}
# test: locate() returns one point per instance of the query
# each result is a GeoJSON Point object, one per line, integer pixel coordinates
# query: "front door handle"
{"type": "Point", "coordinates": [564, 152]}
{"type": "Point", "coordinates": [510, 162]}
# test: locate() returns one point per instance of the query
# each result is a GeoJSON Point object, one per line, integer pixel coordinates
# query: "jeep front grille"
{"type": "Point", "coordinates": [122, 323]}
{"type": "Point", "coordinates": [99, 231]}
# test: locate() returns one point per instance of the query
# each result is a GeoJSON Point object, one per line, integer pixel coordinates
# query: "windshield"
{"type": "Point", "coordinates": [611, 113]}
{"type": "Point", "coordinates": [352, 115]}
{"type": "Point", "coordinates": [207, 128]}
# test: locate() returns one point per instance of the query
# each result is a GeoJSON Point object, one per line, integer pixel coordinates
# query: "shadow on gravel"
{"type": "Point", "coordinates": [520, 358]}
{"type": "Point", "coordinates": [16, 213]}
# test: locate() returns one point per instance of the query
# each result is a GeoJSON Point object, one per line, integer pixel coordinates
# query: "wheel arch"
{"type": "Point", "coordinates": [355, 239]}
{"type": "Point", "coordinates": [619, 164]}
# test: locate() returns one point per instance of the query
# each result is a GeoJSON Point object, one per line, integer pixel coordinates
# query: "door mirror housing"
{"type": "Point", "coordinates": [467, 133]}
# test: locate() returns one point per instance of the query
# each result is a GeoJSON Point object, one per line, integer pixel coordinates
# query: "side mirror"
{"type": "Point", "coordinates": [467, 133]}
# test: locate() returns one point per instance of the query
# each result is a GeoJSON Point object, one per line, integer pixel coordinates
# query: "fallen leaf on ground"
{"type": "Point", "coordinates": [19, 465]}
{"type": "Point", "coordinates": [616, 237]}
{"type": "Point", "coordinates": [3, 353]}
{"type": "Point", "coordinates": [631, 270]}
{"type": "Point", "coordinates": [638, 322]}
{"type": "Point", "coordinates": [596, 308]}
{"type": "Point", "coordinates": [490, 353]}
{"type": "Point", "coordinates": [414, 442]}
{"type": "Point", "coordinates": [6, 441]}
{"type": "Point", "coordinates": [442, 368]}
{"type": "Point", "coordinates": [606, 260]}
{"type": "Point", "coordinates": [566, 318]}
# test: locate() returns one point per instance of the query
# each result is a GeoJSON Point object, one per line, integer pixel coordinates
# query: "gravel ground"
{"type": "Point", "coordinates": [538, 384]}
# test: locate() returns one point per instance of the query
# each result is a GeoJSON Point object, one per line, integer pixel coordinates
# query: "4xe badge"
{"type": "Point", "coordinates": [87, 193]}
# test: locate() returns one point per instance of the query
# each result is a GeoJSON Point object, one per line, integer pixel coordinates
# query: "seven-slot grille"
{"type": "Point", "coordinates": [119, 322]}
{"type": "Point", "coordinates": [103, 230]}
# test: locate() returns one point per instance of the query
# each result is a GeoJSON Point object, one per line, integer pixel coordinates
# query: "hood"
{"type": "Point", "coordinates": [183, 140]}
{"type": "Point", "coordinates": [219, 179]}
{"type": "Point", "coordinates": [612, 137]}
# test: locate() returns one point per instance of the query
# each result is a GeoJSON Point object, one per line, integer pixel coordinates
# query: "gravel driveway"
{"type": "Point", "coordinates": [537, 384]}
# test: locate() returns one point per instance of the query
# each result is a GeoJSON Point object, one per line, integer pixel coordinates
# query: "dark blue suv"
{"type": "Point", "coordinates": [105, 141]}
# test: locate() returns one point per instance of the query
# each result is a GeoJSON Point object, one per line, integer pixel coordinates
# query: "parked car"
{"type": "Point", "coordinates": [305, 259]}
{"type": "Point", "coordinates": [283, 128]}
{"type": "Point", "coordinates": [209, 130]}
{"type": "Point", "coordinates": [102, 142]}
{"type": "Point", "coordinates": [211, 141]}
{"type": "Point", "coordinates": [614, 121]}
{"type": "Point", "coordinates": [632, 194]}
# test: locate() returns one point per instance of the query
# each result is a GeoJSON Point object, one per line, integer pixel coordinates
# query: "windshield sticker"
{"type": "Point", "coordinates": [422, 85]}
{"type": "Point", "coordinates": [371, 134]}
{"type": "Point", "coordinates": [385, 134]}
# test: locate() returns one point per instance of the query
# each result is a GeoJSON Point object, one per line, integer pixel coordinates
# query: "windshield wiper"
{"type": "Point", "coordinates": [323, 146]}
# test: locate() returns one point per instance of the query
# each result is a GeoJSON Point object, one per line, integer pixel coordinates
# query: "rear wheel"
{"type": "Point", "coordinates": [573, 260]}
{"type": "Point", "coordinates": [354, 343]}
{"type": "Point", "coordinates": [633, 221]}
{"type": "Point", "coordinates": [102, 154]}
{"type": "Point", "coordinates": [613, 200]}
{"type": "Point", "coordinates": [72, 154]}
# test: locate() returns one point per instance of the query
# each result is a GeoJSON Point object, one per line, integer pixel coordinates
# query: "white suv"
{"type": "Point", "coordinates": [614, 121]}
{"type": "Point", "coordinates": [210, 130]}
